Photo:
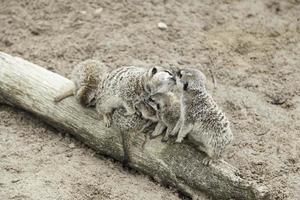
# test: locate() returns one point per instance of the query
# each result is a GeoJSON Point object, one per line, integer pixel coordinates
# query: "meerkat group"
{"type": "Point", "coordinates": [130, 99]}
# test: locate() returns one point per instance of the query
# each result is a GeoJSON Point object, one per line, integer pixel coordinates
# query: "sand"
{"type": "Point", "coordinates": [251, 47]}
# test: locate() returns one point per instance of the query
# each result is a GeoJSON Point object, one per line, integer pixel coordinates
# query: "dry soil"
{"type": "Point", "coordinates": [252, 47]}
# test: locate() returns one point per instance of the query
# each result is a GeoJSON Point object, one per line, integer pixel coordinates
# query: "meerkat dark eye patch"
{"type": "Point", "coordinates": [154, 70]}
{"type": "Point", "coordinates": [185, 86]}
{"type": "Point", "coordinates": [151, 100]}
{"type": "Point", "coordinates": [179, 74]}
{"type": "Point", "coordinates": [158, 106]}
{"type": "Point", "coordinates": [168, 72]}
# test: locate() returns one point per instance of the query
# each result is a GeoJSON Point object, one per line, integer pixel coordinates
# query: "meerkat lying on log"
{"type": "Point", "coordinates": [127, 86]}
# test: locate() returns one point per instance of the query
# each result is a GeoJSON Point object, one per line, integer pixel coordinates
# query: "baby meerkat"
{"type": "Point", "coordinates": [167, 107]}
{"type": "Point", "coordinates": [205, 124]}
{"type": "Point", "coordinates": [127, 86]}
{"type": "Point", "coordinates": [147, 111]}
{"type": "Point", "coordinates": [86, 77]}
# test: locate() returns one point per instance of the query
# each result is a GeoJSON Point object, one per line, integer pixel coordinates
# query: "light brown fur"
{"type": "Point", "coordinates": [86, 77]}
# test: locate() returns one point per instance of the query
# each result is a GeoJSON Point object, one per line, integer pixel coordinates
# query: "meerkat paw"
{"type": "Point", "coordinates": [165, 138]}
{"type": "Point", "coordinates": [179, 139]}
{"type": "Point", "coordinates": [128, 113]}
{"type": "Point", "coordinates": [159, 129]}
{"type": "Point", "coordinates": [154, 134]}
{"type": "Point", "coordinates": [129, 110]}
{"type": "Point", "coordinates": [107, 123]}
{"type": "Point", "coordinates": [207, 161]}
{"type": "Point", "coordinates": [107, 120]}
{"type": "Point", "coordinates": [173, 133]}
{"type": "Point", "coordinates": [176, 129]}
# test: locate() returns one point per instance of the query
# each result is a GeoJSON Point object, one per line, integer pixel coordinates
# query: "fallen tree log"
{"type": "Point", "coordinates": [33, 88]}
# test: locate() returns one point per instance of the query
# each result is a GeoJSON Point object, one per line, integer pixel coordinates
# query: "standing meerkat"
{"type": "Point", "coordinates": [167, 107]}
{"type": "Point", "coordinates": [127, 86]}
{"type": "Point", "coordinates": [85, 77]}
{"type": "Point", "coordinates": [205, 124]}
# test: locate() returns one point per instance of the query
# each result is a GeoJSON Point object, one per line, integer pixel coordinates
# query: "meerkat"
{"type": "Point", "coordinates": [85, 77]}
{"type": "Point", "coordinates": [130, 126]}
{"type": "Point", "coordinates": [167, 107]}
{"type": "Point", "coordinates": [205, 124]}
{"type": "Point", "coordinates": [147, 111]}
{"type": "Point", "coordinates": [127, 86]}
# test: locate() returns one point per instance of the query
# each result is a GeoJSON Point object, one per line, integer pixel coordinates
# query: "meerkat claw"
{"type": "Point", "coordinates": [173, 133]}
{"type": "Point", "coordinates": [165, 139]}
{"type": "Point", "coordinates": [129, 113]}
{"type": "Point", "coordinates": [206, 161]}
{"type": "Point", "coordinates": [107, 124]}
{"type": "Point", "coordinates": [179, 140]}
{"type": "Point", "coordinates": [107, 120]}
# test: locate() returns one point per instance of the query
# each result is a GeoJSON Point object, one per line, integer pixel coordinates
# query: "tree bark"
{"type": "Point", "coordinates": [33, 88]}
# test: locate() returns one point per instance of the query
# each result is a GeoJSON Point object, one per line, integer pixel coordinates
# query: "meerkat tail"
{"type": "Point", "coordinates": [65, 92]}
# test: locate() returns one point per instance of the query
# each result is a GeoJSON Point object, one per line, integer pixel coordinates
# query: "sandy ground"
{"type": "Point", "coordinates": [252, 47]}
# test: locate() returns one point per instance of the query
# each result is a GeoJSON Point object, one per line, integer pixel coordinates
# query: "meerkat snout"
{"type": "Point", "coordinates": [160, 81]}
{"type": "Point", "coordinates": [186, 79]}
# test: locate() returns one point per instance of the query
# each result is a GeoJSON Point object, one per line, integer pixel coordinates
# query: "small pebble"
{"type": "Point", "coordinates": [15, 181]}
{"type": "Point", "coordinates": [162, 26]}
{"type": "Point", "coordinates": [69, 155]}
{"type": "Point", "coordinates": [98, 11]}
{"type": "Point", "coordinates": [72, 145]}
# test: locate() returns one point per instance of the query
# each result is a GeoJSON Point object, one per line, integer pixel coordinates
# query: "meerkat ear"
{"type": "Point", "coordinates": [185, 86]}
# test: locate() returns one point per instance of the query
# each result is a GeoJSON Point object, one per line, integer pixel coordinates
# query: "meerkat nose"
{"type": "Point", "coordinates": [178, 73]}
{"type": "Point", "coordinates": [173, 79]}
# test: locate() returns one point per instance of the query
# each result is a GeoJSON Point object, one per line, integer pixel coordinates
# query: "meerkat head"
{"type": "Point", "coordinates": [159, 80]}
{"type": "Point", "coordinates": [160, 101]}
{"type": "Point", "coordinates": [190, 79]}
{"type": "Point", "coordinates": [146, 110]}
{"type": "Point", "coordinates": [157, 102]}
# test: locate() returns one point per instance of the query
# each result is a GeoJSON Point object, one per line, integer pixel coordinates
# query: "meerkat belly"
{"type": "Point", "coordinates": [201, 135]}
{"type": "Point", "coordinates": [114, 101]}
{"type": "Point", "coordinates": [171, 117]}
